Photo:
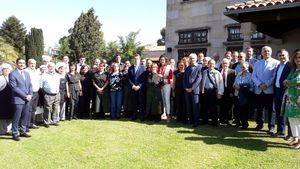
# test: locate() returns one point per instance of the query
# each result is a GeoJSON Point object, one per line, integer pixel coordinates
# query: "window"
{"type": "Point", "coordinates": [189, 37]}
{"type": "Point", "coordinates": [186, 52]}
{"type": "Point", "coordinates": [257, 36]}
{"type": "Point", "coordinates": [234, 34]}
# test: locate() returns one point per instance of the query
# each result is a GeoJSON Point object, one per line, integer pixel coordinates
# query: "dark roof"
{"type": "Point", "coordinates": [259, 4]}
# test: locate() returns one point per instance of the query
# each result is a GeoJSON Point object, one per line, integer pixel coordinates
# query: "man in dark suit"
{"type": "Point", "coordinates": [281, 74]}
{"type": "Point", "coordinates": [226, 101]}
{"type": "Point", "coordinates": [191, 84]}
{"type": "Point", "coordinates": [136, 78]}
{"type": "Point", "coordinates": [20, 83]}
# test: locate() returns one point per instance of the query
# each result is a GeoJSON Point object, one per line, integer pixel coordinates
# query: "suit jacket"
{"type": "Point", "coordinates": [192, 78]}
{"type": "Point", "coordinates": [137, 78]}
{"type": "Point", "coordinates": [20, 87]}
{"type": "Point", "coordinates": [285, 72]}
{"type": "Point", "coordinates": [230, 80]}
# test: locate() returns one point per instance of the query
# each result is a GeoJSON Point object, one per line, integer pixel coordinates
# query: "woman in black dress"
{"type": "Point", "coordinates": [85, 98]}
{"type": "Point", "coordinates": [74, 90]}
{"type": "Point", "coordinates": [100, 82]}
{"type": "Point", "coordinates": [5, 100]}
{"type": "Point", "coordinates": [179, 93]}
{"type": "Point", "coordinates": [154, 97]}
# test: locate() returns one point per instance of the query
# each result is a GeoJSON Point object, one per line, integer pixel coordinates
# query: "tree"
{"type": "Point", "coordinates": [64, 46]}
{"type": "Point", "coordinates": [129, 45]}
{"type": "Point", "coordinates": [112, 49]}
{"type": "Point", "coordinates": [7, 52]}
{"type": "Point", "coordinates": [86, 37]}
{"type": "Point", "coordinates": [161, 41]}
{"type": "Point", "coordinates": [34, 44]}
{"type": "Point", "coordinates": [14, 32]}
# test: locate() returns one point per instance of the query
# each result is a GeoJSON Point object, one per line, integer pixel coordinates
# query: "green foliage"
{"type": "Point", "coordinates": [64, 46]}
{"type": "Point", "coordinates": [112, 49]}
{"type": "Point", "coordinates": [161, 41]}
{"type": "Point", "coordinates": [34, 44]}
{"type": "Point", "coordinates": [86, 37]}
{"type": "Point", "coordinates": [130, 46]}
{"type": "Point", "coordinates": [14, 32]}
{"type": "Point", "coordinates": [7, 52]}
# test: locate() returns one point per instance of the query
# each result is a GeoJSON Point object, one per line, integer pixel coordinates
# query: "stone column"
{"type": "Point", "coordinates": [247, 29]}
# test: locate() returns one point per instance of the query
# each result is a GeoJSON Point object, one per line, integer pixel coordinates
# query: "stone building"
{"type": "Point", "coordinates": [201, 26]}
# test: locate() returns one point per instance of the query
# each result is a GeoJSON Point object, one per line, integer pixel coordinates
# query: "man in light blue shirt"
{"type": "Point", "coordinates": [50, 84]}
{"type": "Point", "coordinates": [263, 77]}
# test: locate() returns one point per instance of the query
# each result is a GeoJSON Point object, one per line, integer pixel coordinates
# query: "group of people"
{"type": "Point", "coordinates": [197, 90]}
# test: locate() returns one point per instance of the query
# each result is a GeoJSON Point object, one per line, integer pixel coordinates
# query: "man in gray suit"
{"type": "Point", "coordinates": [20, 83]}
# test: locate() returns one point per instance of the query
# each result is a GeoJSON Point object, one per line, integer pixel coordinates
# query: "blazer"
{"type": "Point", "coordinates": [285, 72]}
{"type": "Point", "coordinates": [20, 87]}
{"type": "Point", "coordinates": [138, 77]}
{"type": "Point", "coordinates": [218, 80]}
{"type": "Point", "coordinates": [192, 78]}
{"type": "Point", "coordinates": [230, 81]}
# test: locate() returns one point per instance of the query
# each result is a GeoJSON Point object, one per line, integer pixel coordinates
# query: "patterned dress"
{"type": "Point", "coordinates": [291, 99]}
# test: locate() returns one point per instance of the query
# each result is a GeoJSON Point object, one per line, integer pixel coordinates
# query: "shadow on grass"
{"type": "Point", "coordinates": [229, 136]}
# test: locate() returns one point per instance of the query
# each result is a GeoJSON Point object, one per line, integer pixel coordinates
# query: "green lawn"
{"type": "Point", "coordinates": [125, 144]}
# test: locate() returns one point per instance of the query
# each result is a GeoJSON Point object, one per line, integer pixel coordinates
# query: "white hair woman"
{"type": "Point", "coordinates": [5, 101]}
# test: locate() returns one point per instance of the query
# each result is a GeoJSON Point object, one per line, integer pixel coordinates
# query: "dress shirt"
{"type": "Point", "coordinates": [264, 72]}
{"type": "Point", "coordinates": [35, 79]}
{"type": "Point", "coordinates": [50, 82]}
{"type": "Point", "coordinates": [279, 72]}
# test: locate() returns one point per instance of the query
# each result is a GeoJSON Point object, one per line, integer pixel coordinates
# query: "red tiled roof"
{"type": "Point", "coordinates": [258, 3]}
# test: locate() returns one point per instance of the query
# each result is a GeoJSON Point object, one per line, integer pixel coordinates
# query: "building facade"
{"type": "Point", "coordinates": [201, 26]}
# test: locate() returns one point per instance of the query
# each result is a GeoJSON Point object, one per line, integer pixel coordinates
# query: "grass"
{"type": "Point", "coordinates": [125, 144]}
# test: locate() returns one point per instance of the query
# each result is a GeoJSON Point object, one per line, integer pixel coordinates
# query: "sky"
{"type": "Point", "coordinates": [118, 17]}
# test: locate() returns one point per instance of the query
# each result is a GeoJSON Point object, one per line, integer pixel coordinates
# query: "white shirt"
{"type": "Point", "coordinates": [50, 82]}
{"type": "Point", "coordinates": [35, 78]}
{"type": "Point", "coordinates": [279, 72]}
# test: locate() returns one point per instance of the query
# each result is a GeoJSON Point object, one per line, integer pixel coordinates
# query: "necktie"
{"type": "Point", "coordinates": [23, 74]}
{"type": "Point", "coordinates": [224, 78]}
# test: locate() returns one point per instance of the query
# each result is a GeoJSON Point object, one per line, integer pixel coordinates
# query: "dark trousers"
{"type": "Point", "coordinates": [265, 102]}
{"type": "Point", "coordinates": [116, 104]}
{"type": "Point", "coordinates": [225, 108]}
{"type": "Point", "coordinates": [33, 105]}
{"type": "Point", "coordinates": [138, 101]}
{"type": "Point", "coordinates": [180, 107]}
{"type": "Point", "coordinates": [20, 118]}
{"type": "Point", "coordinates": [72, 105]}
{"type": "Point", "coordinates": [243, 115]}
{"type": "Point", "coordinates": [281, 120]}
{"type": "Point", "coordinates": [193, 107]}
{"type": "Point", "coordinates": [210, 106]}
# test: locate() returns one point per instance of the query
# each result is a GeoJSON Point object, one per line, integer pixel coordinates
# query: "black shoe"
{"type": "Point", "coordinates": [16, 138]}
{"type": "Point", "coordinates": [25, 135]}
{"type": "Point", "coordinates": [195, 125]}
{"type": "Point", "coordinates": [258, 127]}
{"type": "Point", "coordinates": [216, 124]}
{"type": "Point", "coordinates": [47, 125]}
